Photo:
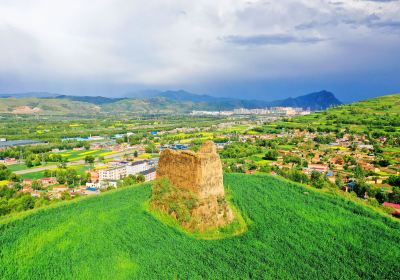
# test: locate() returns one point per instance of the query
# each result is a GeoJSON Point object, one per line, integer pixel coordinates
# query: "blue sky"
{"type": "Point", "coordinates": [245, 49]}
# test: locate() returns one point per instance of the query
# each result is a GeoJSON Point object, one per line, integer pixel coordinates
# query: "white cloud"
{"type": "Point", "coordinates": [181, 42]}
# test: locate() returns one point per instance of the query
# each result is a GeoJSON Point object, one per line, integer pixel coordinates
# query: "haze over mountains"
{"type": "Point", "coordinates": [160, 102]}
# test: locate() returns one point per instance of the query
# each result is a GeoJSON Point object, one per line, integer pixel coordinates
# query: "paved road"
{"type": "Point", "coordinates": [72, 163]}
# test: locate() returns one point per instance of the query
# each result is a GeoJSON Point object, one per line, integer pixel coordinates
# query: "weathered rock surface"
{"type": "Point", "coordinates": [201, 173]}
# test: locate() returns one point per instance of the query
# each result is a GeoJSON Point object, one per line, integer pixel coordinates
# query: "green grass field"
{"type": "Point", "coordinates": [293, 233]}
{"type": "Point", "coordinates": [80, 169]}
{"type": "Point", "coordinates": [17, 167]}
{"type": "Point", "coordinates": [33, 175]}
{"type": "Point", "coordinates": [22, 166]}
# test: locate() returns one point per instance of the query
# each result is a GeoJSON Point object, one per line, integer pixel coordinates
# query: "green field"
{"type": "Point", "coordinates": [293, 233]}
{"type": "Point", "coordinates": [80, 169]}
{"type": "Point", "coordinates": [33, 175]}
{"type": "Point", "coordinates": [22, 166]}
{"type": "Point", "coordinates": [78, 155]}
{"type": "Point", "coordinates": [17, 167]}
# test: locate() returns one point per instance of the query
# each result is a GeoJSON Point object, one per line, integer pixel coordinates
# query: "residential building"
{"type": "Point", "coordinates": [115, 173]}
{"type": "Point", "coordinates": [149, 174]}
{"type": "Point", "coordinates": [48, 181]}
{"type": "Point", "coordinates": [94, 175]}
{"type": "Point", "coordinates": [137, 167]}
{"type": "Point", "coordinates": [317, 167]}
{"type": "Point", "coordinates": [27, 182]}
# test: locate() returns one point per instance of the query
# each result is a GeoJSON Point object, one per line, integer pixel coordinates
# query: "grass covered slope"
{"type": "Point", "coordinates": [379, 114]}
{"type": "Point", "coordinates": [46, 106]}
{"type": "Point", "coordinates": [292, 234]}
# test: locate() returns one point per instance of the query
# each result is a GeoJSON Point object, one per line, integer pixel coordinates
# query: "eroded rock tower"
{"type": "Point", "coordinates": [201, 173]}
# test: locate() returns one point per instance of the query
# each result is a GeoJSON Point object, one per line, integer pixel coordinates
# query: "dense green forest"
{"type": "Point", "coordinates": [293, 232]}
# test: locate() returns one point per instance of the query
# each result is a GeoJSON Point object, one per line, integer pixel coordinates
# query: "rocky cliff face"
{"type": "Point", "coordinates": [200, 173]}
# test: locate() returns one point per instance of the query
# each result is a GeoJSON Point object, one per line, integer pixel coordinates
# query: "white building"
{"type": "Point", "coordinates": [115, 173]}
{"type": "Point", "coordinates": [119, 172]}
{"type": "Point", "coordinates": [103, 184]}
{"type": "Point", "coordinates": [137, 167]}
{"type": "Point", "coordinates": [149, 174]}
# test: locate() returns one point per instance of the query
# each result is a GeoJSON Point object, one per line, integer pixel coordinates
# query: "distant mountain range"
{"type": "Point", "coordinates": [315, 101]}
{"type": "Point", "coordinates": [160, 102]}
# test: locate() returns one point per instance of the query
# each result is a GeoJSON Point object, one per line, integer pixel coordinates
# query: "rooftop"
{"type": "Point", "coordinates": [13, 143]}
{"type": "Point", "coordinates": [148, 171]}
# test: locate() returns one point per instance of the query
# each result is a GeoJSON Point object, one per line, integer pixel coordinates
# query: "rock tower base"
{"type": "Point", "coordinates": [200, 173]}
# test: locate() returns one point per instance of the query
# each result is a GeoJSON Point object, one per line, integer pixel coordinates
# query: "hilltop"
{"type": "Point", "coordinates": [293, 232]}
{"type": "Point", "coordinates": [46, 106]}
{"type": "Point", "coordinates": [315, 101]}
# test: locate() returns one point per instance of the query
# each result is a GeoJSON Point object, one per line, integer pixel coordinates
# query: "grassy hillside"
{"type": "Point", "coordinates": [64, 106]}
{"type": "Point", "coordinates": [293, 233]}
{"type": "Point", "coordinates": [45, 106]}
{"type": "Point", "coordinates": [148, 105]}
{"type": "Point", "coordinates": [379, 114]}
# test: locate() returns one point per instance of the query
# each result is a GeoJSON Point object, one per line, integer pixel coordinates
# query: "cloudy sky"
{"type": "Point", "coordinates": [248, 49]}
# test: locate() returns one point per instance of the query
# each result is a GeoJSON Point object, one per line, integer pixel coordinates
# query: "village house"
{"type": "Point", "coordinates": [102, 184]}
{"type": "Point", "coordinates": [8, 161]}
{"type": "Point", "coordinates": [35, 193]}
{"type": "Point", "coordinates": [27, 182]}
{"type": "Point", "coordinates": [395, 207]}
{"type": "Point", "coordinates": [90, 191]}
{"type": "Point", "coordinates": [48, 181]}
{"type": "Point", "coordinates": [53, 195]}
{"type": "Point", "coordinates": [59, 189]}
{"type": "Point", "coordinates": [94, 175]}
{"type": "Point", "coordinates": [316, 167]}
{"type": "Point", "coordinates": [374, 180]}
{"type": "Point", "coordinates": [26, 189]}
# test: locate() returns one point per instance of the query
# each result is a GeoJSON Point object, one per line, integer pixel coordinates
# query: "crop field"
{"type": "Point", "coordinates": [80, 169]}
{"type": "Point", "coordinates": [4, 182]}
{"type": "Point", "coordinates": [78, 155]}
{"type": "Point", "coordinates": [293, 233]}
{"type": "Point", "coordinates": [33, 175]}
{"type": "Point", "coordinates": [17, 167]}
{"type": "Point", "coordinates": [22, 166]}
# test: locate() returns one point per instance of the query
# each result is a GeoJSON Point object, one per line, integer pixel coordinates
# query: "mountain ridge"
{"type": "Point", "coordinates": [178, 101]}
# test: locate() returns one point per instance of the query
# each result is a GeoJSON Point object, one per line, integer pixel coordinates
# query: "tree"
{"type": "Point", "coordinates": [317, 179]}
{"type": "Point", "coordinates": [381, 196]}
{"type": "Point", "coordinates": [271, 155]}
{"type": "Point", "coordinates": [71, 177]}
{"type": "Point", "coordinates": [89, 159]}
{"type": "Point", "coordinates": [4, 172]}
{"type": "Point", "coordinates": [128, 181]}
{"type": "Point", "coordinates": [339, 181]}
{"type": "Point", "coordinates": [360, 188]}
{"type": "Point", "coordinates": [151, 148]}
{"type": "Point", "coordinates": [394, 181]}
{"type": "Point", "coordinates": [135, 153]}
{"type": "Point", "coordinates": [65, 196]}
{"type": "Point", "coordinates": [140, 178]}
{"type": "Point", "coordinates": [36, 185]}
{"type": "Point", "coordinates": [394, 196]}
{"type": "Point", "coordinates": [359, 172]}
